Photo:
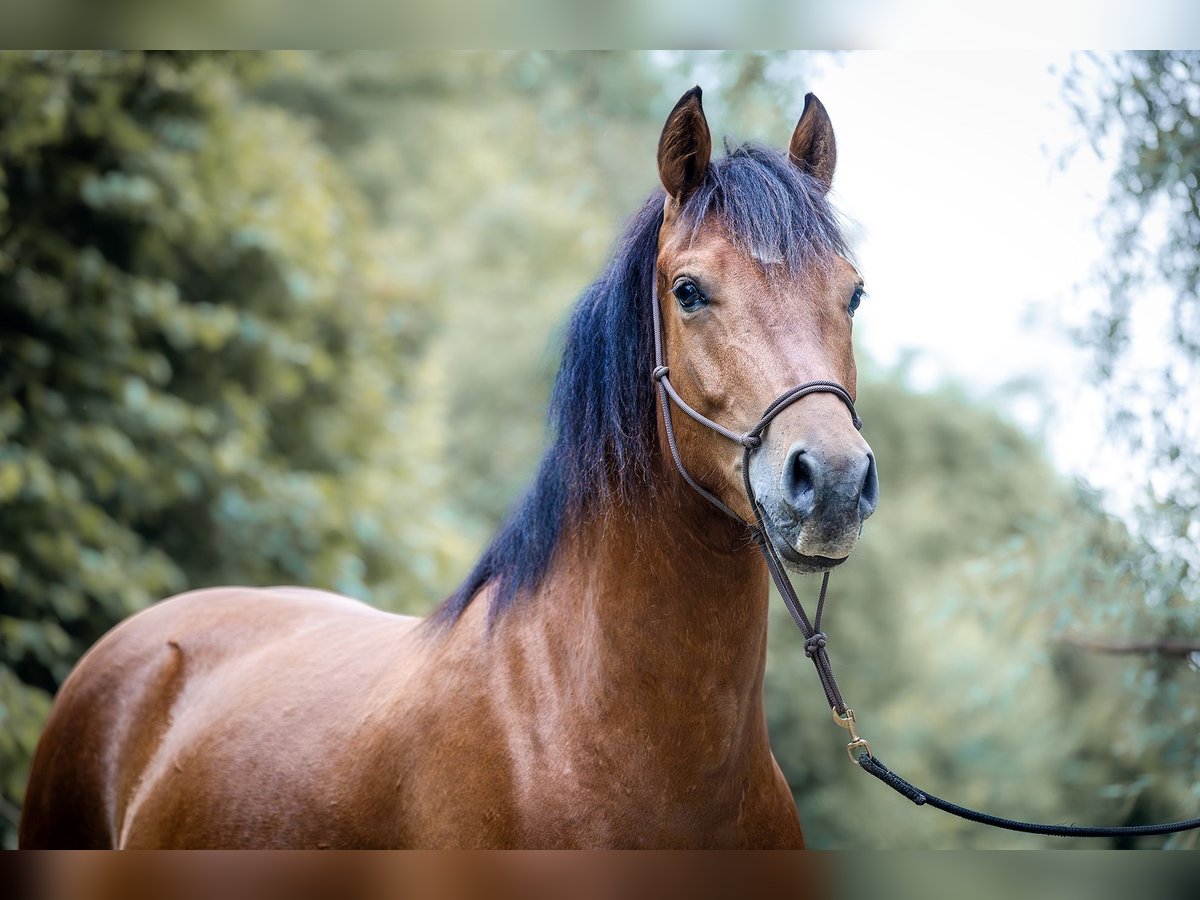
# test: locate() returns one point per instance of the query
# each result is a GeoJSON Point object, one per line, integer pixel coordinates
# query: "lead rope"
{"type": "Point", "coordinates": [815, 640]}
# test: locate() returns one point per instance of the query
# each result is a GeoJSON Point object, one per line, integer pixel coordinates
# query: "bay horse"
{"type": "Point", "coordinates": [597, 680]}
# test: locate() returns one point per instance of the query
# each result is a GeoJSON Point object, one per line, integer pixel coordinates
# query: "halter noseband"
{"type": "Point", "coordinates": [814, 639]}
{"type": "Point", "coordinates": [750, 440]}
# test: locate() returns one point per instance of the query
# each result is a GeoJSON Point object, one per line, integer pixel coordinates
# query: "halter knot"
{"type": "Point", "coordinates": [660, 372]}
{"type": "Point", "coordinates": [751, 441]}
{"type": "Point", "coordinates": [814, 644]}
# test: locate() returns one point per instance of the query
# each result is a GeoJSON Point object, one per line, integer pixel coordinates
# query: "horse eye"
{"type": "Point", "coordinates": [856, 299]}
{"type": "Point", "coordinates": [688, 295]}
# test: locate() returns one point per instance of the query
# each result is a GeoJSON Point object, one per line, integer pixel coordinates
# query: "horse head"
{"type": "Point", "coordinates": [756, 296]}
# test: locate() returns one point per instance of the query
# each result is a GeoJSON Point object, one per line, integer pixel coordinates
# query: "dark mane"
{"type": "Point", "coordinates": [602, 417]}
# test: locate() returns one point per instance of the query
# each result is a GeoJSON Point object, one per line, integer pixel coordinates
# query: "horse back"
{"type": "Point", "coordinates": [170, 700]}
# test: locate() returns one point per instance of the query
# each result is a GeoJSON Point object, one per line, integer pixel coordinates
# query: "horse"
{"type": "Point", "coordinates": [597, 679]}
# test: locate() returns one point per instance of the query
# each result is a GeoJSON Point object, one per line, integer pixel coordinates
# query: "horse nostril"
{"type": "Point", "coordinates": [799, 486]}
{"type": "Point", "coordinates": [868, 496]}
{"type": "Point", "coordinates": [835, 490]}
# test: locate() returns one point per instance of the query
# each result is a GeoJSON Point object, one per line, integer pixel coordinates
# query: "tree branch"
{"type": "Point", "coordinates": [1164, 646]}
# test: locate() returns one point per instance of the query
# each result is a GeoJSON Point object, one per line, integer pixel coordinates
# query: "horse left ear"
{"type": "Point", "coordinates": [813, 148]}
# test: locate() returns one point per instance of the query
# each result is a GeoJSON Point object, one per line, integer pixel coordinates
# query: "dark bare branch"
{"type": "Point", "coordinates": [1163, 646]}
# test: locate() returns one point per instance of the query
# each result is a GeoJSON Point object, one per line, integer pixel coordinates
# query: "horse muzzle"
{"type": "Point", "coordinates": [814, 506]}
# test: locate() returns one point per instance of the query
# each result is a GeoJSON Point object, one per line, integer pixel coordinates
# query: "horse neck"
{"type": "Point", "coordinates": [655, 610]}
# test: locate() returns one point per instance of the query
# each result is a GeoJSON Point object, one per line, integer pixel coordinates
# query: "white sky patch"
{"type": "Point", "coordinates": [977, 245]}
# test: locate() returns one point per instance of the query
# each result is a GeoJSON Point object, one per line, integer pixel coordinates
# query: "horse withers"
{"type": "Point", "coordinates": [597, 679]}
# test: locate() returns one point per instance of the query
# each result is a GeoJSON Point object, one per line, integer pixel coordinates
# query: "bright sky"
{"type": "Point", "coordinates": [977, 245]}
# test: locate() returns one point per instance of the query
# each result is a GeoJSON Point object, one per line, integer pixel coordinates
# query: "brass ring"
{"type": "Point", "coordinates": [859, 744]}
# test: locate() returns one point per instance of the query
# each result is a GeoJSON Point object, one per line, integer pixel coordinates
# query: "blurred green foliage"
{"type": "Point", "coordinates": [290, 317]}
{"type": "Point", "coordinates": [1146, 118]}
{"type": "Point", "coordinates": [201, 352]}
{"type": "Point", "coordinates": [1142, 112]}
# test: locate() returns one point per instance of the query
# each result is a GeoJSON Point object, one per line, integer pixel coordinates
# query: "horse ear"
{"type": "Point", "coordinates": [684, 147]}
{"type": "Point", "coordinates": [813, 148]}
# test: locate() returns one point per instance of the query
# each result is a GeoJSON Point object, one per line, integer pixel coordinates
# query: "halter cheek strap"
{"type": "Point", "coordinates": [750, 441]}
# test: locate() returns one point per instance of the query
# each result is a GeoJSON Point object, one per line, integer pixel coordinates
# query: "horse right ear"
{"type": "Point", "coordinates": [684, 147]}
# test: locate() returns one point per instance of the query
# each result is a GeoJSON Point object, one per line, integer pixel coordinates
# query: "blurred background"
{"type": "Point", "coordinates": [292, 318]}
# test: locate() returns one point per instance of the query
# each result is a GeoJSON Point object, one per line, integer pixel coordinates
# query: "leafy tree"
{"type": "Point", "coordinates": [1142, 111]}
{"type": "Point", "coordinates": [193, 314]}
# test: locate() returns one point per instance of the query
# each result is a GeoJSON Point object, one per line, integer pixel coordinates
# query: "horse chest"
{"type": "Point", "coordinates": [624, 792]}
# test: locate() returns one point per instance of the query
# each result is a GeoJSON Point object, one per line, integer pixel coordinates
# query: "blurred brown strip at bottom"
{"type": "Point", "coordinates": [428, 875]}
